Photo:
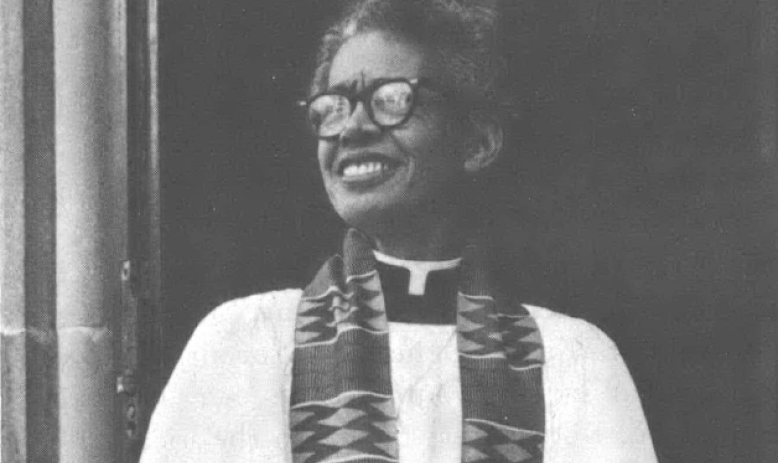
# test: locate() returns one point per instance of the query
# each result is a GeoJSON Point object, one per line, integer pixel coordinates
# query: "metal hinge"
{"type": "Point", "coordinates": [127, 387]}
{"type": "Point", "coordinates": [127, 383]}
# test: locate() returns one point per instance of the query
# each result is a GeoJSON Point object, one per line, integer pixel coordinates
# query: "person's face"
{"type": "Point", "coordinates": [374, 175]}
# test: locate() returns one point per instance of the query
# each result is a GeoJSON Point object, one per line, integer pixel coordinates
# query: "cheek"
{"type": "Point", "coordinates": [437, 147]}
{"type": "Point", "coordinates": [428, 135]}
{"type": "Point", "coordinates": [324, 153]}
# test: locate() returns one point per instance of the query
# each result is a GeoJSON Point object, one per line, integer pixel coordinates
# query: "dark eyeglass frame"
{"type": "Point", "coordinates": [364, 97]}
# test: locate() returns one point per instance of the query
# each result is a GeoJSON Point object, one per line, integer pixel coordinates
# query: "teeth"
{"type": "Point", "coordinates": [364, 168]}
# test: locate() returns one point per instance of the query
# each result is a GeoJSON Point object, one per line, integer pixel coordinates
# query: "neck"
{"type": "Point", "coordinates": [424, 239]}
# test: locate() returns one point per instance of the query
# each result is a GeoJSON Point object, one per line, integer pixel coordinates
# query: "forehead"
{"type": "Point", "coordinates": [376, 55]}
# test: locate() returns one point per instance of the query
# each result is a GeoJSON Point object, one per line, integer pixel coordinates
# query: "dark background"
{"type": "Point", "coordinates": [637, 198]}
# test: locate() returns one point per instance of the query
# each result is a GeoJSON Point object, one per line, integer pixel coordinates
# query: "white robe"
{"type": "Point", "coordinates": [228, 398]}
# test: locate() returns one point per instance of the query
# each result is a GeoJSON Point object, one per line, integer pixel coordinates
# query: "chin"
{"type": "Point", "coordinates": [363, 218]}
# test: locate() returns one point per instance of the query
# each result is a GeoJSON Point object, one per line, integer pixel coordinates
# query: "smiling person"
{"type": "Point", "coordinates": [404, 347]}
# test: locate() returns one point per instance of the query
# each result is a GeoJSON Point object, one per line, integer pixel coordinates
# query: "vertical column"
{"type": "Point", "coordinates": [27, 234]}
{"type": "Point", "coordinates": [62, 227]}
{"type": "Point", "coordinates": [90, 82]}
{"type": "Point", "coordinates": [141, 348]}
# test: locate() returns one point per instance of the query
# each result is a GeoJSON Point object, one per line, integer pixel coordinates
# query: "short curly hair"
{"type": "Point", "coordinates": [461, 32]}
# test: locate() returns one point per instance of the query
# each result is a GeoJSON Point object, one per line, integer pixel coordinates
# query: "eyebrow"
{"type": "Point", "coordinates": [350, 86]}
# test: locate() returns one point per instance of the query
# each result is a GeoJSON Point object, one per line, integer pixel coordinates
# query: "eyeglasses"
{"type": "Point", "coordinates": [388, 102]}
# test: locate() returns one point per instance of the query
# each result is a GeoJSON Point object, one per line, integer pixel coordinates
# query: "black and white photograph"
{"type": "Point", "coordinates": [409, 231]}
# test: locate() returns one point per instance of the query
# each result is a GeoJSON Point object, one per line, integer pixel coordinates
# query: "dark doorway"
{"type": "Point", "coordinates": [242, 205]}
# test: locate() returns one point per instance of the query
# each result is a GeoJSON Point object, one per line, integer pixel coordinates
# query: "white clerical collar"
{"type": "Point", "coordinates": [419, 269]}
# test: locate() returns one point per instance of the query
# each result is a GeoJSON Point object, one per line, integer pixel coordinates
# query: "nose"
{"type": "Point", "coordinates": [359, 126]}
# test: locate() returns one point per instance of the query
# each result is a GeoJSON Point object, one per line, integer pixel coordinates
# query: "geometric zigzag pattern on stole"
{"type": "Point", "coordinates": [355, 424]}
{"type": "Point", "coordinates": [486, 333]}
{"type": "Point", "coordinates": [488, 443]}
{"type": "Point", "coordinates": [321, 317]}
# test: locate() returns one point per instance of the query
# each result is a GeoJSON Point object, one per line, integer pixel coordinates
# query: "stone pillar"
{"type": "Point", "coordinates": [91, 127]}
{"type": "Point", "coordinates": [63, 228]}
{"type": "Point", "coordinates": [30, 396]}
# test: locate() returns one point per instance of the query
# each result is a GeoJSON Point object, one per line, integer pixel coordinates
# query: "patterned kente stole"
{"type": "Point", "coordinates": [342, 408]}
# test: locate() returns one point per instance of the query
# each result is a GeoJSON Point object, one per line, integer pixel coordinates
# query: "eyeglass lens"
{"type": "Point", "coordinates": [391, 102]}
{"type": "Point", "coordinates": [390, 105]}
{"type": "Point", "coordinates": [328, 114]}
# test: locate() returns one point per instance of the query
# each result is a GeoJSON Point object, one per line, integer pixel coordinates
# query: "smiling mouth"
{"type": "Point", "coordinates": [368, 170]}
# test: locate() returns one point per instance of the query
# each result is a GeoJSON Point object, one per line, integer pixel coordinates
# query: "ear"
{"type": "Point", "coordinates": [485, 144]}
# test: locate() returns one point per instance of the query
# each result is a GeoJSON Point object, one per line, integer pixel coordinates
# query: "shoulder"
{"type": "Point", "coordinates": [560, 331]}
{"type": "Point", "coordinates": [593, 411]}
{"type": "Point", "coordinates": [233, 370]}
{"type": "Point", "coordinates": [257, 329]}
{"type": "Point", "coordinates": [246, 316]}
{"type": "Point", "coordinates": [579, 357]}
